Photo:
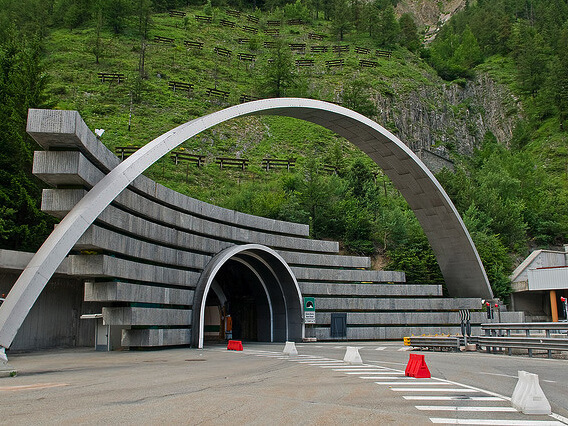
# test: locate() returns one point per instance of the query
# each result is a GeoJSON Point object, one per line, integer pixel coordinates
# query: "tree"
{"type": "Point", "coordinates": [22, 83]}
{"type": "Point", "coordinates": [356, 96]}
{"type": "Point", "coordinates": [117, 11]}
{"type": "Point", "coordinates": [530, 53]}
{"type": "Point", "coordinates": [279, 73]}
{"type": "Point", "coordinates": [468, 53]}
{"type": "Point", "coordinates": [340, 16]}
{"type": "Point", "coordinates": [389, 30]}
{"type": "Point", "coordinates": [409, 37]}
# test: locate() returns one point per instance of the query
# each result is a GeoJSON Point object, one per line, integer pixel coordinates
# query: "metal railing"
{"type": "Point", "coordinates": [552, 336]}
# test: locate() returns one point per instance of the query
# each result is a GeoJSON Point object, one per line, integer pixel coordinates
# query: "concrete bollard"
{"type": "Point", "coordinates": [352, 355]}
{"type": "Point", "coordinates": [6, 369]}
{"type": "Point", "coordinates": [528, 396]}
{"type": "Point", "coordinates": [290, 349]}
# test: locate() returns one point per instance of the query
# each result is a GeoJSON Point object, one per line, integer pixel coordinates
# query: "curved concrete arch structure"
{"type": "Point", "coordinates": [457, 257]}
{"type": "Point", "coordinates": [279, 283]}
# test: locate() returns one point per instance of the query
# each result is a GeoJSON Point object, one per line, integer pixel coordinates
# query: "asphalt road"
{"type": "Point", "coordinates": [260, 386]}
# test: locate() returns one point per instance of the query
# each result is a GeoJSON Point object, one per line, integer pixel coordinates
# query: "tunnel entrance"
{"type": "Point", "coordinates": [251, 288]}
{"type": "Point", "coordinates": [238, 305]}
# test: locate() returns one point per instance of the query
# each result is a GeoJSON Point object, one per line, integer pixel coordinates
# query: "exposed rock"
{"type": "Point", "coordinates": [448, 117]}
{"type": "Point", "coordinates": [430, 15]}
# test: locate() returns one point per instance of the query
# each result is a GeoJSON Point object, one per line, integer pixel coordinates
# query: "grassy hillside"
{"type": "Point", "coordinates": [512, 193]}
{"type": "Point", "coordinates": [74, 84]}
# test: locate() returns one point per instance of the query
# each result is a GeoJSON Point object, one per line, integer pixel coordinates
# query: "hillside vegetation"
{"type": "Point", "coordinates": [512, 193]}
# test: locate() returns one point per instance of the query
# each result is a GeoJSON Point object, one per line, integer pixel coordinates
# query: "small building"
{"type": "Point", "coordinates": [539, 284]}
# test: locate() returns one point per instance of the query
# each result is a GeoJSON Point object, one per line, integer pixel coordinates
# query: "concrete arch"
{"type": "Point", "coordinates": [279, 283]}
{"type": "Point", "coordinates": [456, 254]}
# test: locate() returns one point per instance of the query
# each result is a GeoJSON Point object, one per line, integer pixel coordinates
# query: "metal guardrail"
{"type": "Point", "coordinates": [440, 342]}
{"type": "Point", "coordinates": [499, 336]}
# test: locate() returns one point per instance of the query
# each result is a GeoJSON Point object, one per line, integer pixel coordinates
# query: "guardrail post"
{"type": "Point", "coordinates": [528, 333]}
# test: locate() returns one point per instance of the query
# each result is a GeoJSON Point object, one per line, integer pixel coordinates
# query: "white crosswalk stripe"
{"type": "Point", "coordinates": [464, 402]}
{"type": "Point", "coordinates": [461, 408]}
{"type": "Point", "coordinates": [456, 390]}
{"type": "Point", "coordinates": [398, 383]}
{"type": "Point", "coordinates": [451, 398]}
{"type": "Point", "coordinates": [495, 422]}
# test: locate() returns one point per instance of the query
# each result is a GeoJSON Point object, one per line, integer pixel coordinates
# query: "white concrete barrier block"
{"type": "Point", "coordinates": [290, 349]}
{"type": "Point", "coordinates": [528, 396]}
{"type": "Point", "coordinates": [352, 355]}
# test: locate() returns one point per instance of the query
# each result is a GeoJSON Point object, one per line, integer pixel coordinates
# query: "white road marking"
{"type": "Point", "coordinates": [380, 378]}
{"type": "Point", "coordinates": [322, 363]}
{"type": "Point", "coordinates": [357, 370]}
{"type": "Point", "coordinates": [451, 398]}
{"type": "Point", "coordinates": [494, 422]}
{"type": "Point", "coordinates": [408, 382]}
{"type": "Point", "coordinates": [469, 409]}
{"type": "Point", "coordinates": [460, 390]}
{"type": "Point", "coordinates": [35, 386]}
{"type": "Point", "coordinates": [514, 377]}
{"type": "Point", "coordinates": [381, 348]}
{"type": "Point", "coordinates": [358, 366]}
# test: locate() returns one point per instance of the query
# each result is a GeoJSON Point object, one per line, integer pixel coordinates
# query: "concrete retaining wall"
{"type": "Point", "coordinates": [148, 249]}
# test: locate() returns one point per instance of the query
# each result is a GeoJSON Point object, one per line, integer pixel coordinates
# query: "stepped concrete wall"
{"type": "Point", "coordinates": [153, 246]}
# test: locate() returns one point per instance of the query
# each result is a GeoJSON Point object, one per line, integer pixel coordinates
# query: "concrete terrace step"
{"type": "Point", "coordinates": [97, 266]}
{"type": "Point", "coordinates": [61, 201]}
{"type": "Point", "coordinates": [329, 261]}
{"type": "Point", "coordinates": [348, 275]}
{"type": "Point", "coordinates": [401, 318]}
{"type": "Point", "coordinates": [146, 316]}
{"type": "Point", "coordinates": [97, 238]}
{"type": "Point", "coordinates": [358, 289]}
{"type": "Point", "coordinates": [66, 129]}
{"type": "Point", "coordinates": [388, 332]}
{"type": "Point", "coordinates": [395, 304]}
{"type": "Point", "coordinates": [156, 337]}
{"type": "Point", "coordinates": [113, 291]}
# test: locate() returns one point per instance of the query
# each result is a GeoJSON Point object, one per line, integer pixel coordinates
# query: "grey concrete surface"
{"type": "Point", "coordinates": [173, 220]}
{"type": "Point", "coordinates": [359, 289]}
{"type": "Point", "coordinates": [128, 292]}
{"type": "Point", "coordinates": [215, 386]}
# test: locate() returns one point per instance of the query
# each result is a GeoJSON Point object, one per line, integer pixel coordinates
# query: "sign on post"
{"type": "Point", "coordinates": [309, 310]}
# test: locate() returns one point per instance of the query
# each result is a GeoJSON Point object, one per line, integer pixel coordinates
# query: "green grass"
{"type": "Point", "coordinates": [74, 85]}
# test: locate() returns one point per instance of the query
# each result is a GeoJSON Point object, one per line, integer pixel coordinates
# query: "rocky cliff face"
{"type": "Point", "coordinates": [430, 15]}
{"type": "Point", "coordinates": [449, 117]}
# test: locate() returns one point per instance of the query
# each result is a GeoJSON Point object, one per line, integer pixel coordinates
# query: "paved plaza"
{"type": "Point", "coordinates": [260, 386]}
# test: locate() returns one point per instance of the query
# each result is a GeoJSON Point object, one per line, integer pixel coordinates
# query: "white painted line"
{"type": "Point", "coordinates": [361, 370]}
{"type": "Point", "coordinates": [460, 408]}
{"type": "Point", "coordinates": [559, 417]}
{"type": "Point", "coordinates": [350, 366]}
{"type": "Point", "coordinates": [381, 348]}
{"type": "Point", "coordinates": [35, 386]}
{"type": "Point", "coordinates": [494, 422]}
{"type": "Point", "coordinates": [452, 398]}
{"type": "Point", "coordinates": [395, 363]}
{"type": "Point", "coordinates": [460, 390]}
{"type": "Point", "coordinates": [339, 347]}
{"type": "Point", "coordinates": [408, 382]}
{"type": "Point", "coordinates": [319, 363]}
{"type": "Point", "coordinates": [514, 377]}
{"type": "Point", "coordinates": [379, 378]}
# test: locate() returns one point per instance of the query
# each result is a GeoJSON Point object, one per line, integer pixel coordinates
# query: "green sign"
{"type": "Point", "coordinates": [309, 304]}
{"type": "Point", "coordinates": [309, 310]}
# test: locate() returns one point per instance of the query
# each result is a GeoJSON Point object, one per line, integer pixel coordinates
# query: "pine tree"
{"type": "Point", "coordinates": [409, 37]}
